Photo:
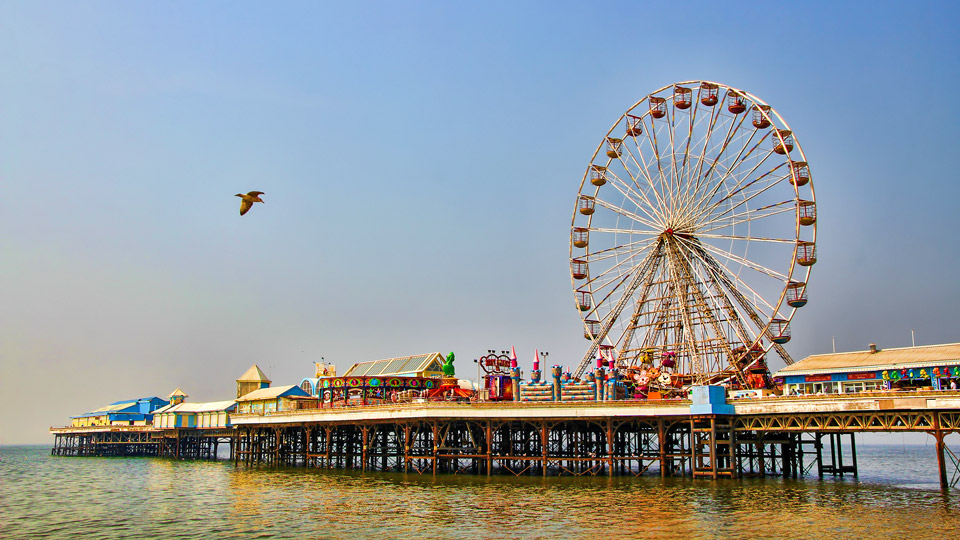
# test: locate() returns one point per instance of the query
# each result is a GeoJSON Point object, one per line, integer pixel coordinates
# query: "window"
{"type": "Point", "coordinates": [853, 387]}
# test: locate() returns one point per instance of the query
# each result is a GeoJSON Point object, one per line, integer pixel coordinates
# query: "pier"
{"type": "Point", "coordinates": [140, 441]}
{"type": "Point", "coordinates": [788, 437]}
{"type": "Point", "coordinates": [782, 436]}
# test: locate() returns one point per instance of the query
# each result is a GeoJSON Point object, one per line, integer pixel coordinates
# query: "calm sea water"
{"type": "Point", "coordinates": [896, 496]}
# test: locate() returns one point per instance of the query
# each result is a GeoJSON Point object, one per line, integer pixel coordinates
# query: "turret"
{"type": "Point", "coordinates": [252, 379]}
{"type": "Point", "coordinates": [177, 397]}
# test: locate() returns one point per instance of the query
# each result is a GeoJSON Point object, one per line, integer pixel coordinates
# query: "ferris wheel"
{"type": "Point", "coordinates": [693, 236]}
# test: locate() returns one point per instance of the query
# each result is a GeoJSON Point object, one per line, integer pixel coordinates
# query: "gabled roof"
{"type": "Point", "coordinates": [905, 357]}
{"type": "Point", "coordinates": [291, 390]}
{"type": "Point", "coordinates": [254, 374]}
{"type": "Point", "coordinates": [404, 365]}
{"type": "Point", "coordinates": [177, 392]}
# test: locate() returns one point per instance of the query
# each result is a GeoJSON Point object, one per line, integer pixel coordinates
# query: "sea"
{"type": "Point", "coordinates": [897, 495]}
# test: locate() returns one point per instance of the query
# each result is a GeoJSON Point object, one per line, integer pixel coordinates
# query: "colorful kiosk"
{"type": "Point", "coordinates": [393, 380]}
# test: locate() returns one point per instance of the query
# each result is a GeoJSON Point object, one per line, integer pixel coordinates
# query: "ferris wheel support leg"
{"type": "Point", "coordinates": [611, 317]}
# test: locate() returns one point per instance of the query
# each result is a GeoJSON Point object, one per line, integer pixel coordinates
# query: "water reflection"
{"type": "Point", "coordinates": [45, 497]}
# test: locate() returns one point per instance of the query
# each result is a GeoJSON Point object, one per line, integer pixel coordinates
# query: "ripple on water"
{"type": "Point", "coordinates": [48, 497]}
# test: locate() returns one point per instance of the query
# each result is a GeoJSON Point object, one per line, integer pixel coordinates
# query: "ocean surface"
{"type": "Point", "coordinates": [897, 495]}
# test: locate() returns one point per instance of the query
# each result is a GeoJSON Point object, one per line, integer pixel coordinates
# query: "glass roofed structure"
{"type": "Point", "coordinates": [422, 365]}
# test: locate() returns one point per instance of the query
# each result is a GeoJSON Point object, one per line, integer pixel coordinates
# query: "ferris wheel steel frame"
{"type": "Point", "coordinates": [694, 235]}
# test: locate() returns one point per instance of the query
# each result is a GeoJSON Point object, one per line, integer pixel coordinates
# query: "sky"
{"type": "Point", "coordinates": [420, 163]}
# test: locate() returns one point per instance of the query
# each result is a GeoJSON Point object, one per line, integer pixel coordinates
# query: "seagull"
{"type": "Point", "coordinates": [248, 200]}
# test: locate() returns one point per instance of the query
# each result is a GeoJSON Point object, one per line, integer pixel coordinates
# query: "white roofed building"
{"type": "Point", "coordinates": [211, 415]}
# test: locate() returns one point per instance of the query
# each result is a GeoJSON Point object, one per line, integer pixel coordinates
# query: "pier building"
{"type": "Point", "coordinates": [932, 367]}
{"type": "Point", "coordinates": [270, 400]}
{"type": "Point", "coordinates": [421, 365]}
{"type": "Point", "coordinates": [377, 382]}
{"type": "Point", "coordinates": [215, 414]}
{"type": "Point", "coordinates": [130, 412]}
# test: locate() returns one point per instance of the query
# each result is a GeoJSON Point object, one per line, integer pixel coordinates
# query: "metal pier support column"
{"type": "Point", "coordinates": [938, 434]}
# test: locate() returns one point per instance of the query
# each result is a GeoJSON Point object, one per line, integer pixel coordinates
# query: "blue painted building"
{"type": "Point", "coordinates": [130, 412]}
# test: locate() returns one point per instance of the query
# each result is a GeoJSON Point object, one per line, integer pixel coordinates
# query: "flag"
{"type": "Point", "coordinates": [513, 358]}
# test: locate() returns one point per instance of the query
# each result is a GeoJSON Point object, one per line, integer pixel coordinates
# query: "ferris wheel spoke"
{"type": "Point", "coordinates": [694, 171]}
{"type": "Point", "coordinates": [756, 214]}
{"type": "Point", "coordinates": [734, 317]}
{"type": "Point", "coordinates": [745, 217]}
{"type": "Point", "coordinates": [621, 249]}
{"type": "Point", "coordinates": [737, 317]}
{"type": "Point", "coordinates": [740, 189]}
{"type": "Point", "coordinates": [791, 241]}
{"type": "Point", "coordinates": [627, 337]}
{"type": "Point", "coordinates": [671, 128]}
{"type": "Point", "coordinates": [697, 284]}
{"type": "Point", "coordinates": [682, 290]}
{"type": "Point", "coordinates": [736, 286]}
{"type": "Point", "coordinates": [712, 314]}
{"type": "Point", "coordinates": [642, 170]}
{"type": "Point", "coordinates": [620, 267]}
{"type": "Point", "coordinates": [621, 256]}
{"type": "Point", "coordinates": [730, 213]}
{"type": "Point", "coordinates": [611, 292]}
{"type": "Point", "coordinates": [733, 128]}
{"type": "Point", "coordinates": [733, 285]}
{"type": "Point", "coordinates": [734, 163]}
{"type": "Point", "coordinates": [714, 116]}
{"type": "Point", "coordinates": [655, 147]}
{"type": "Point", "coordinates": [626, 213]}
{"type": "Point", "coordinates": [760, 320]}
{"type": "Point", "coordinates": [647, 232]}
{"type": "Point", "coordinates": [745, 262]}
{"type": "Point", "coordinates": [628, 193]}
{"type": "Point", "coordinates": [610, 318]}
{"type": "Point", "coordinates": [644, 167]}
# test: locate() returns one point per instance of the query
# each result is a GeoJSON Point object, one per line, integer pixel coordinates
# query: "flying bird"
{"type": "Point", "coordinates": [248, 200]}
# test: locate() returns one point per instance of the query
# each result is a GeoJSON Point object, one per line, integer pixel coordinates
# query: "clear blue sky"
{"type": "Point", "coordinates": [420, 162]}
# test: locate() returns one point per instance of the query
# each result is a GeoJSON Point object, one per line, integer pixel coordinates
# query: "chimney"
{"type": "Point", "coordinates": [873, 348]}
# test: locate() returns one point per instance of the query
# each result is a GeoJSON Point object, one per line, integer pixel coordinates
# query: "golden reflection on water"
{"type": "Point", "coordinates": [93, 498]}
{"type": "Point", "coordinates": [338, 504]}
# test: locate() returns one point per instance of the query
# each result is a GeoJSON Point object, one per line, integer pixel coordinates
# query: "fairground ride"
{"type": "Point", "coordinates": [693, 236]}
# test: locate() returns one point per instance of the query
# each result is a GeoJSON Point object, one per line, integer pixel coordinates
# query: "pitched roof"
{"type": "Point", "coordinates": [177, 392]}
{"type": "Point", "coordinates": [905, 357]}
{"type": "Point", "coordinates": [404, 365]}
{"type": "Point", "coordinates": [290, 390]}
{"type": "Point", "coordinates": [254, 374]}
